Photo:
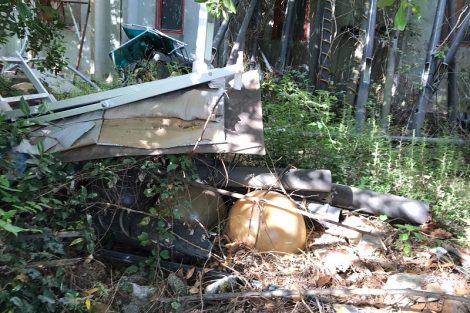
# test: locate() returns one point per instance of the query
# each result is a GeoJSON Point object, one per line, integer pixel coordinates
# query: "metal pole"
{"type": "Point", "coordinates": [239, 44]}
{"type": "Point", "coordinates": [222, 30]}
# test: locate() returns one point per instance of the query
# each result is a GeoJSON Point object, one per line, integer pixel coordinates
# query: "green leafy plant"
{"type": "Point", "coordinates": [316, 130]}
{"type": "Point", "coordinates": [400, 18]}
{"type": "Point", "coordinates": [406, 236]}
{"type": "Point", "coordinates": [41, 24]}
{"type": "Point", "coordinates": [36, 201]}
{"type": "Point", "coordinates": [218, 8]}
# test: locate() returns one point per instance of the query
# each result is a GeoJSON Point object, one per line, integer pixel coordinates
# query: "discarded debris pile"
{"type": "Point", "coordinates": [180, 114]}
{"type": "Point", "coordinates": [346, 260]}
{"type": "Point", "coordinates": [338, 271]}
{"type": "Point", "coordinates": [310, 187]}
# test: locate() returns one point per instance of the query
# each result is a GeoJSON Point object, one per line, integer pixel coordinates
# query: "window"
{"type": "Point", "coordinates": [170, 16]}
{"type": "Point", "coordinates": [301, 19]}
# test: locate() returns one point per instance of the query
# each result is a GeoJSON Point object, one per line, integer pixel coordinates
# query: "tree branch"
{"type": "Point", "coordinates": [285, 293]}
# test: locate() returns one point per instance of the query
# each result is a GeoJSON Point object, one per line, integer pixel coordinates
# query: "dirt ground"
{"type": "Point", "coordinates": [377, 262]}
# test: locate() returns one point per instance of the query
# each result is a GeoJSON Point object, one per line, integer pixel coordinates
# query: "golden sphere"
{"type": "Point", "coordinates": [267, 227]}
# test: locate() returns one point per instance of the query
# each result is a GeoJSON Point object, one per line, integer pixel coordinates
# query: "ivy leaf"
{"type": "Point", "coordinates": [17, 301]}
{"type": "Point", "coordinates": [404, 237]}
{"type": "Point", "coordinates": [24, 107]}
{"type": "Point", "coordinates": [384, 3]}
{"type": "Point", "coordinates": [400, 17]}
{"type": "Point", "coordinates": [4, 182]}
{"type": "Point", "coordinates": [11, 228]}
{"type": "Point", "coordinates": [228, 4]}
{"type": "Point", "coordinates": [175, 306]}
{"type": "Point", "coordinates": [46, 299]}
{"type": "Point", "coordinates": [132, 269]}
{"type": "Point", "coordinates": [164, 254]}
{"type": "Point", "coordinates": [171, 167]}
{"type": "Point", "coordinates": [76, 241]}
{"type": "Point", "coordinates": [383, 217]}
{"type": "Point", "coordinates": [407, 248]}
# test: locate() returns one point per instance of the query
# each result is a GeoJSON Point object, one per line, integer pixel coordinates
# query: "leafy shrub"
{"type": "Point", "coordinates": [303, 129]}
{"type": "Point", "coordinates": [36, 201]}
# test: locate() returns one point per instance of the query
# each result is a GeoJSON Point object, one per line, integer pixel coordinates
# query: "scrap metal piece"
{"type": "Point", "coordinates": [144, 41]}
{"type": "Point", "coordinates": [155, 88]}
{"type": "Point", "coordinates": [243, 124]}
{"type": "Point", "coordinates": [33, 78]}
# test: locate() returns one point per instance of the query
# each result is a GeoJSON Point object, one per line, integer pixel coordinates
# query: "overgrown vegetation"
{"type": "Point", "coordinates": [317, 131]}
{"type": "Point", "coordinates": [41, 24]}
{"type": "Point", "coordinates": [46, 216]}
{"type": "Point", "coordinates": [41, 197]}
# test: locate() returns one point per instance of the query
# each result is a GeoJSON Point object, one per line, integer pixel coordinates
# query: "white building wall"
{"type": "Point", "coordinates": [104, 32]}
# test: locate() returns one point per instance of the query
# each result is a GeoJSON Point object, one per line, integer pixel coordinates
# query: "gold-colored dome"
{"type": "Point", "coordinates": [267, 227]}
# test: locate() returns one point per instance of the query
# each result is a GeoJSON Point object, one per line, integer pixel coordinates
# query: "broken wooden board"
{"type": "Point", "coordinates": [243, 127]}
{"type": "Point", "coordinates": [188, 105]}
{"type": "Point", "coordinates": [158, 133]}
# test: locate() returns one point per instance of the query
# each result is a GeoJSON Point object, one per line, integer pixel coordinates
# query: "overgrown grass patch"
{"type": "Point", "coordinates": [316, 130]}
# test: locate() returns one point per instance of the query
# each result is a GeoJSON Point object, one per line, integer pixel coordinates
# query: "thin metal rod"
{"type": "Point", "coordinates": [75, 71]}
{"type": "Point", "coordinates": [82, 41]}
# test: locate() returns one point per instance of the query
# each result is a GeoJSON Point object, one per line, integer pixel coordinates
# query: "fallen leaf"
{"type": "Point", "coordinates": [180, 273]}
{"type": "Point", "coordinates": [22, 278]}
{"type": "Point", "coordinates": [100, 308]}
{"type": "Point", "coordinates": [190, 272]}
{"type": "Point", "coordinates": [88, 304]}
{"type": "Point", "coordinates": [323, 280]}
{"type": "Point", "coordinates": [440, 234]}
{"type": "Point", "coordinates": [194, 290]}
{"type": "Point", "coordinates": [418, 306]}
{"type": "Point", "coordinates": [91, 291]}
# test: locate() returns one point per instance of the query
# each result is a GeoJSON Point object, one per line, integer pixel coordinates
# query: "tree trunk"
{"type": "Point", "coordinates": [363, 91]}
{"type": "Point", "coordinates": [254, 39]}
{"type": "Point", "coordinates": [314, 39]}
{"type": "Point", "coordinates": [238, 45]}
{"type": "Point", "coordinates": [429, 68]}
{"type": "Point", "coordinates": [326, 40]}
{"type": "Point", "coordinates": [286, 35]}
{"type": "Point", "coordinates": [389, 79]}
{"type": "Point", "coordinates": [222, 29]}
{"type": "Point", "coordinates": [451, 77]}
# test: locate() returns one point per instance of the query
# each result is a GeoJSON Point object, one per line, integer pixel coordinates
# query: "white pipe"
{"type": "Point", "coordinates": [205, 31]}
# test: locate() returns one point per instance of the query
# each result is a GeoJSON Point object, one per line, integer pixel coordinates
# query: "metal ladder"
{"type": "Point", "coordinates": [20, 62]}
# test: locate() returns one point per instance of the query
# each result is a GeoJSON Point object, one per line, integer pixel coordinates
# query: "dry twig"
{"type": "Point", "coordinates": [333, 292]}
